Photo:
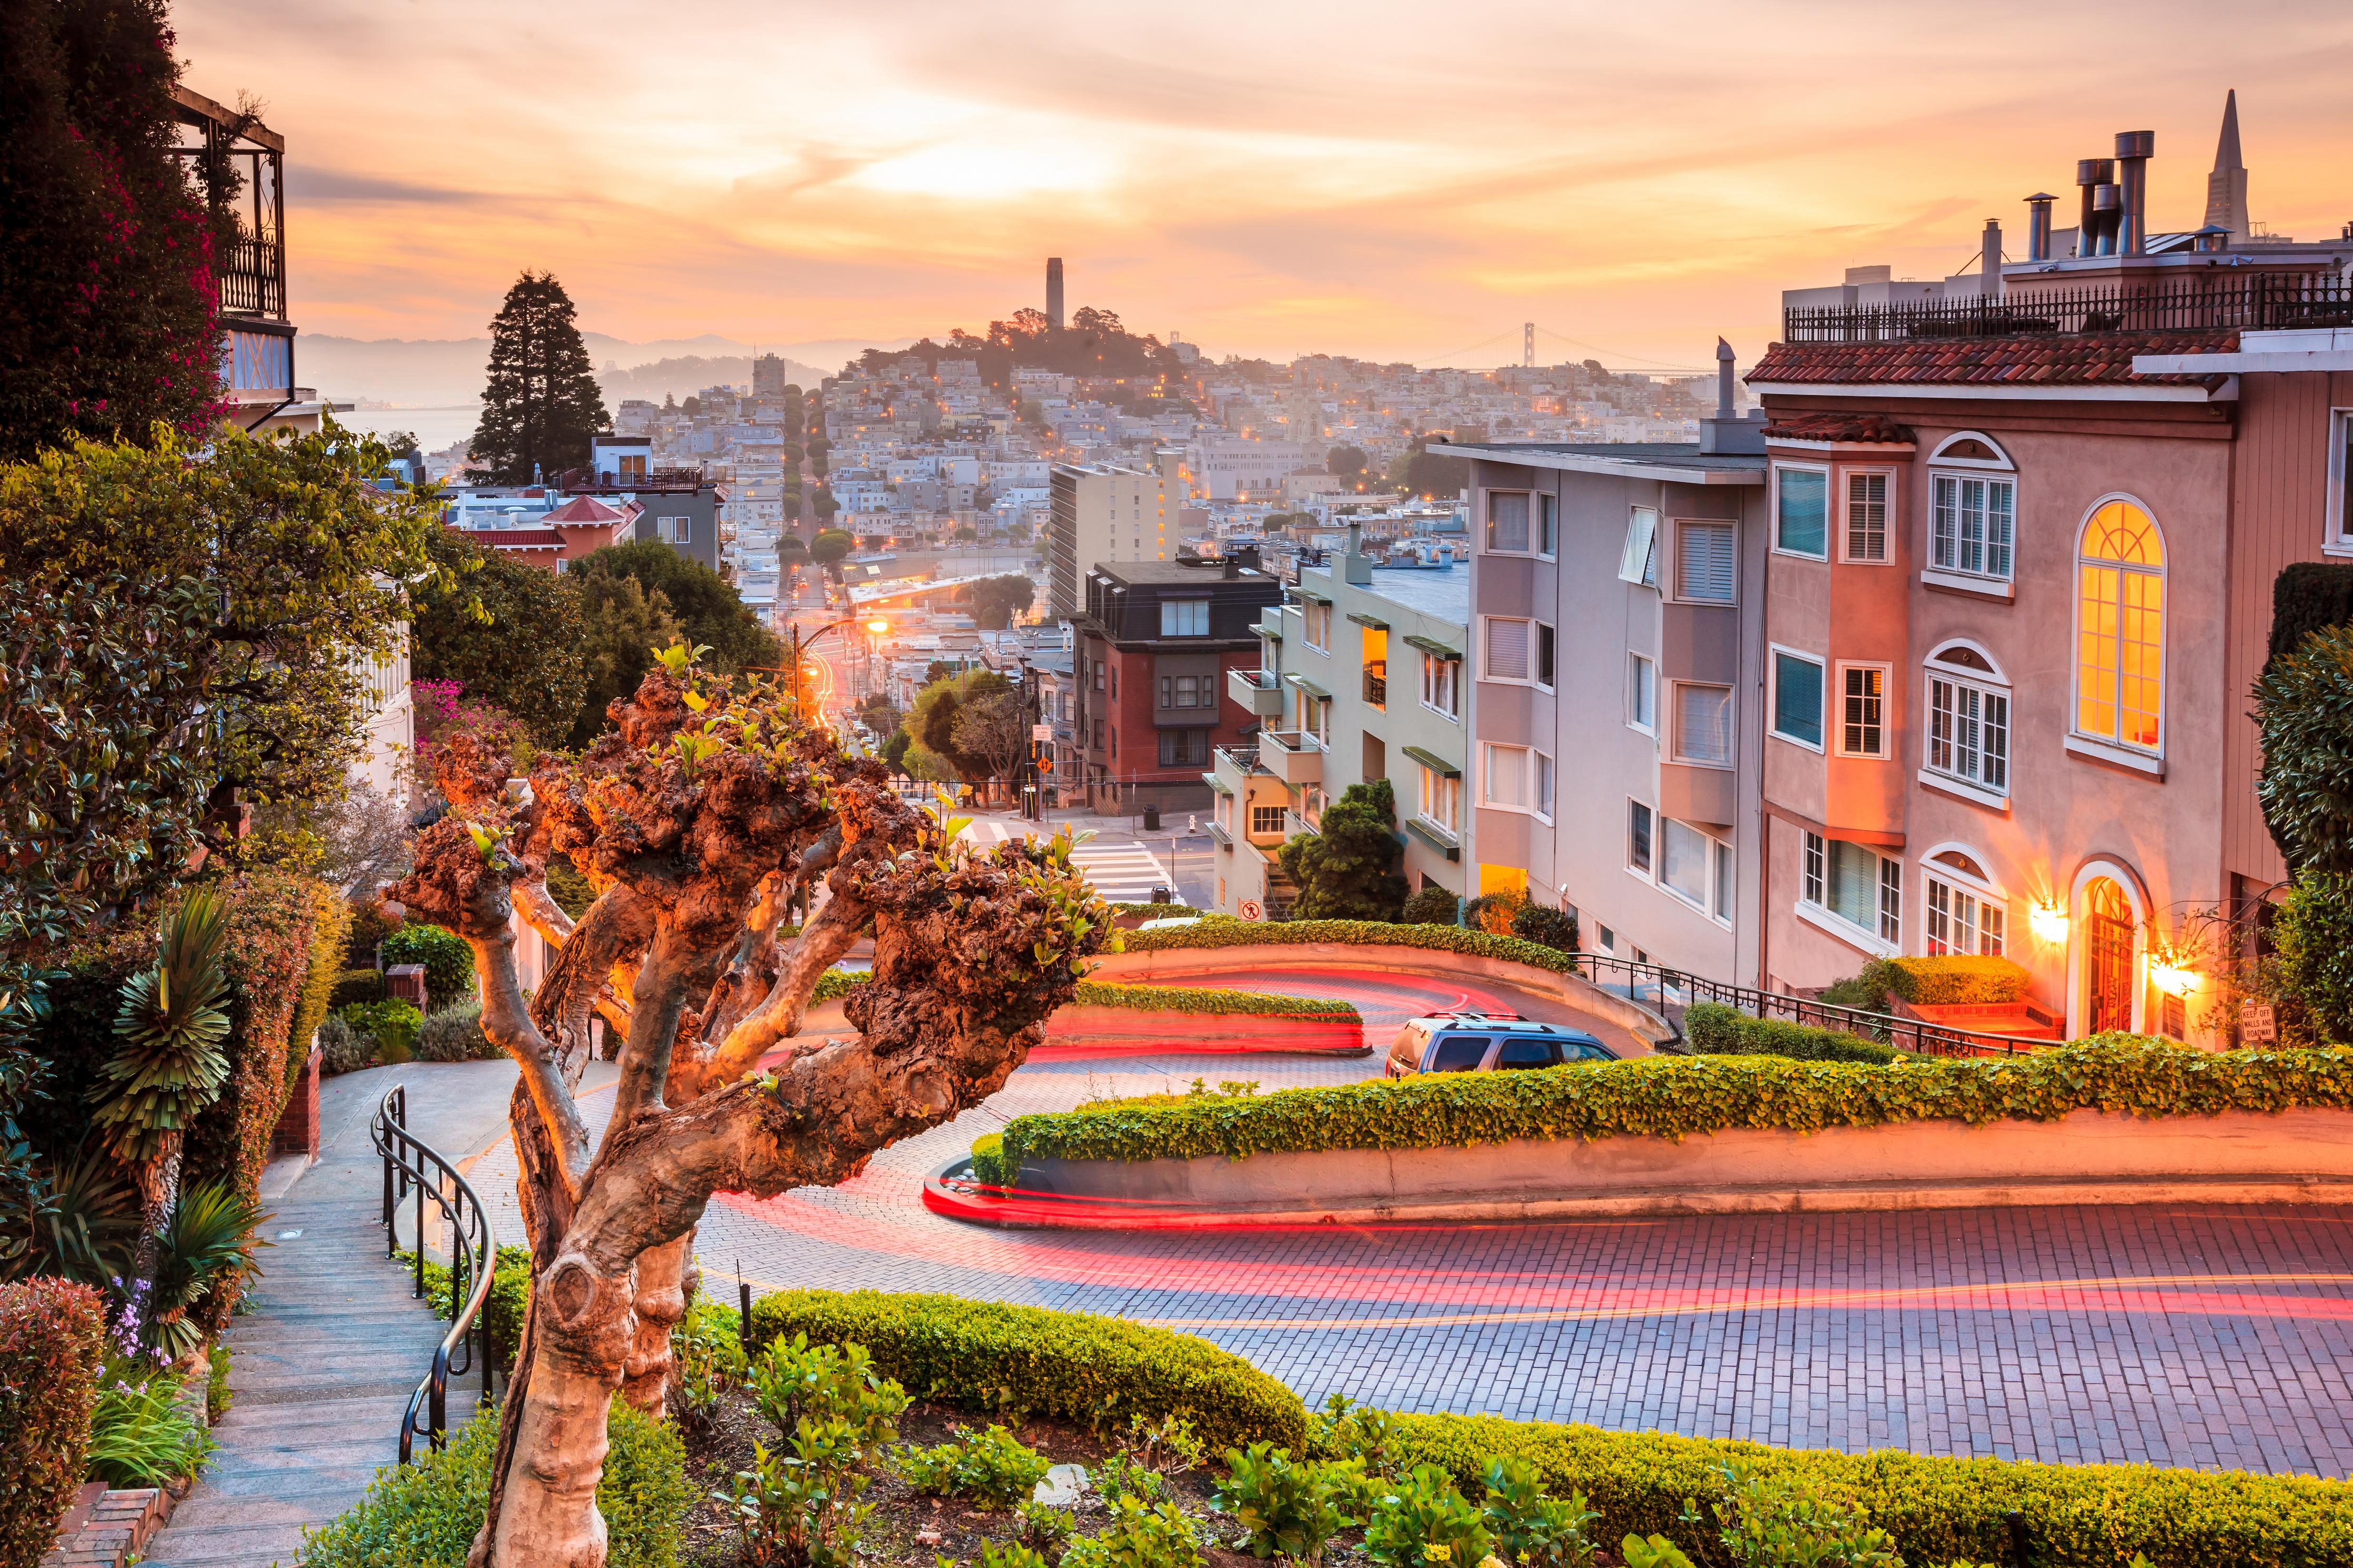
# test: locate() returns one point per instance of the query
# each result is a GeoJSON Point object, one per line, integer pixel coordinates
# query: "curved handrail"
{"type": "Point", "coordinates": [411, 1164]}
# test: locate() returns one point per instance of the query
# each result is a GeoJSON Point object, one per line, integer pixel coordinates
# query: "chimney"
{"type": "Point", "coordinates": [2107, 217]}
{"type": "Point", "coordinates": [2091, 175]}
{"type": "Point", "coordinates": [1233, 568]}
{"type": "Point", "coordinates": [1354, 567]}
{"type": "Point", "coordinates": [1726, 399]}
{"type": "Point", "coordinates": [2038, 225]}
{"type": "Point", "coordinates": [1990, 266]}
{"type": "Point", "coordinates": [2133, 150]}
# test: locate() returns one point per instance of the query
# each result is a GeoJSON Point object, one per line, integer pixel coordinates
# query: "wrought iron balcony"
{"type": "Point", "coordinates": [2248, 300]}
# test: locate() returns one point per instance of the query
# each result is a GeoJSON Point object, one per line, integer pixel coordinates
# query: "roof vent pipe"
{"type": "Point", "coordinates": [2107, 218]}
{"type": "Point", "coordinates": [1990, 267]}
{"type": "Point", "coordinates": [2090, 174]}
{"type": "Point", "coordinates": [1725, 398]}
{"type": "Point", "coordinates": [2038, 225]}
{"type": "Point", "coordinates": [2133, 150]}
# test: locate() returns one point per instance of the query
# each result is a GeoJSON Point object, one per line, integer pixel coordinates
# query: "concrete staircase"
{"type": "Point", "coordinates": [321, 1373]}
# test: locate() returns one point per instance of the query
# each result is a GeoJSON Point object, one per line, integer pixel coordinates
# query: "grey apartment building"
{"type": "Point", "coordinates": [1616, 739]}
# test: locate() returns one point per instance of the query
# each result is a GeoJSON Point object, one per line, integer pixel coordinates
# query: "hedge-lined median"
{"type": "Point", "coordinates": [1713, 1029]}
{"type": "Point", "coordinates": [836, 983]}
{"type": "Point", "coordinates": [1673, 1096]}
{"type": "Point", "coordinates": [991, 1356]}
{"type": "Point", "coordinates": [1353, 933]}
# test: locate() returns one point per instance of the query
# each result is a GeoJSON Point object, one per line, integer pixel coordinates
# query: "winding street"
{"type": "Point", "coordinates": [2184, 1335]}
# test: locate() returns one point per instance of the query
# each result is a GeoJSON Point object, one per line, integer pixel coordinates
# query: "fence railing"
{"type": "Point", "coordinates": [1670, 992]}
{"type": "Point", "coordinates": [411, 1166]}
{"type": "Point", "coordinates": [253, 278]}
{"type": "Point", "coordinates": [2250, 301]}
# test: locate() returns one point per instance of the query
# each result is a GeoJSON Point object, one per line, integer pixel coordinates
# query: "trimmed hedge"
{"type": "Point", "coordinates": [1713, 1029]}
{"type": "Point", "coordinates": [504, 1307]}
{"type": "Point", "coordinates": [1939, 1510]}
{"type": "Point", "coordinates": [331, 933]}
{"type": "Point", "coordinates": [1955, 980]}
{"type": "Point", "coordinates": [991, 1356]}
{"type": "Point", "coordinates": [52, 1337]}
{"type": "Point", "coordinates": [356, 986]}
{"type": "Point", "coordinates": [447, 961]}
{"type": "Point", "coordinates": [836, 983]}
{"type": "Point", "coordinates": [1355, 933]}
{"type": "Point", "coordinates": [426, 1515]}
{"type": "Point", "coordinates": [2309, 597]}
{"type": "Point", "coordinates": [1672, 1097]}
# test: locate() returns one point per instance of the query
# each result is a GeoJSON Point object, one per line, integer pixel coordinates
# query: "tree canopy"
{"type": "Point", "coordinates": [621, 625]}
{"type": "Point", "coordinates": [110, 319]}
{"type": "Point", "coordinates": [2304, 716]}
{"type": "Point", "coordinates": [1348, 462]}
{"type": "Point", "coordinates": [1346, 870]}
{"type": "Point", "coordinates": [997, 600]}
{"type": "Point", "coordinates": [510, 634]}
{"type": "Point", "coordinates": [831, 546]}
{"type": "Point", "coordinates": [542, 403]}
{"type": "Point", "coordinates": [708, 610]}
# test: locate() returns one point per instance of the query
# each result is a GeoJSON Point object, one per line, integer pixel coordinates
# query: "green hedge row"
{"type": "Point", "coordinates": [504, 1307]}
{"type": "Point", "coordinates": [52, 1334]}
{"type": "Point", "coordinates": [836, 983]}
{"type": "Point", "coordinates": [1672, 1097]}
{"type": "Point", "coordinates": [1939, 1510]}
{"type": "Point", "coordinates": [1356, 934]}
{"type": "Point", "coordinates": [1713, 1029]}
{"type": "Point", "coordinates": [991, 1356]}
{"type": "Point", "coordinates": [426, 1515]}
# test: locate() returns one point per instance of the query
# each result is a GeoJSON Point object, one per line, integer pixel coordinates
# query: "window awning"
{"type": "Point", "coordinates": [1309, 687]}
{"type": "Point", "coordinates": [1313, 597]}
{"type": "Point", "coordinates": [1433, 762]}
{"type": "Point", "coordinates": [1217, 784]}
{"type": "Point", "coordinates": [1431, 645]}
{"type": "Point", "coordinates": [1436, 837]}
{"type": "Point", "coordinates": [1373, 623]}
{"type": "Point", "coordinates": [1272, 634]}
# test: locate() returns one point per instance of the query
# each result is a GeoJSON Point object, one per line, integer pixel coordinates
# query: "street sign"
{"type": "Point", "coordinates": [2258, 1024]}
{"type": "Point", "coordinates": [1252, 910]}
{"type": "Point", "coordinates": [1041, 732]}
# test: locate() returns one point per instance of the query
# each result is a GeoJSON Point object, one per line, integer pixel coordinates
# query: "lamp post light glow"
{"type": "Point", "coordinates": [2048, 923]}
{"type": "Point", "coordinates": [2172, 978]}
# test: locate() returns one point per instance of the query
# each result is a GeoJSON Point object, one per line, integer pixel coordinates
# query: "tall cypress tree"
{"type": "Point", "coordinates": [110, 315]}
{"type": "Point", "coordinates": [542, 404]}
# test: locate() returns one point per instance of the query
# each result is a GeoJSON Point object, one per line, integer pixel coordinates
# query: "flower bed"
{"type": "Point", "coordinates": [1675, 1097]}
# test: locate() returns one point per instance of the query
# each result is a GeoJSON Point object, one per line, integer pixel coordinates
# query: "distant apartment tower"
{"type": "Point", "coordinates": [768, 377]}
{"type": "Point", "coordinates": [1054, 291]}
{"type": "Point", "coordinates": [1100, 514]}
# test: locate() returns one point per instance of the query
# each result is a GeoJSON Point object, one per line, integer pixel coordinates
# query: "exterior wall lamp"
{"type": "Point", "coordinates": [2048, 922]}
{"type": "Point", "coordinates": [2172, 978]}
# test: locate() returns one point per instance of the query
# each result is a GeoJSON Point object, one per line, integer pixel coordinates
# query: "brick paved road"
{"type": "Point", "coordinates": [2194, 1336]}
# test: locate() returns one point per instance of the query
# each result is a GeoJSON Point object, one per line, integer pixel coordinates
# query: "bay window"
{"type": "Point", "coordinates": [1850, 882]}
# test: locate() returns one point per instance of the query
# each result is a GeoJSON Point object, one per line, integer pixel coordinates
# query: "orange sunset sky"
{"type": "Point", "coordinates": [1275, 177]}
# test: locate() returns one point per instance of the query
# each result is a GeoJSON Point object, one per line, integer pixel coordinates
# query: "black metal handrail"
{"type": "Point", "coordinates": [2247, 300]}
{"type": "Point", "coordinates": [410, 1164]}
{"type": "Point", "coordinates": [1668, 992]}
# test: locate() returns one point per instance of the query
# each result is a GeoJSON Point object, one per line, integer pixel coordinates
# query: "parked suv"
{"type": "Point", "coordinates": [1487, 1042]}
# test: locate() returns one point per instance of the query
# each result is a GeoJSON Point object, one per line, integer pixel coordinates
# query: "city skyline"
{"type": "Point", "coordinates": [1369, 183]}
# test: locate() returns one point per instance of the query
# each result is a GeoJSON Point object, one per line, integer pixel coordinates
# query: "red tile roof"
{"type": "Point", "coordinates": [2066, 359]}
{"type": "Point", "coordinates": [517, 538]}
{"type": "Point", "coordinates": [1874, 428]}
{"type": "Point", "coordinates": [583, 510]}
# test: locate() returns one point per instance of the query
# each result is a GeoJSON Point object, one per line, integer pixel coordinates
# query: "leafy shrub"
{"type": "Point", "coordinates": [988, 1161]}
{"type": "Point", "coordinates": [2312, 932]}
{"type": "Point", "coordinates": [1713, 1029]}
{"type": "Point", "coordinates": [2303, 724]}
{"type": "Point", "coordinates": [1546, 927]}
{"type": "Point", "coordinates": [1290, 1508]}
{"type": "Point", "coordinates": [426, 1515]}
{"type": "Point", "coordinates": [1955, 980]}
{"type": "Point", "coordinates": [51, 1335]}
{"type": "Point", "coordinates": [343, 1049]}
{"type": "Point", "coordinates": [1345, 1429]}
{"type": "Point", "coordinates": [1121, 1474]}
{"type": "Point", "coordinates": [1358, 933]}
{"type": "Point", "coordinates": [1494, 912]}
{"type": "Point", "coordinates": [329, 932]}
{"type": "Point", "coordinates": [1157, 1536]}
{"type": "Point", "coordinates": [1787, 1522]}
{"type": "Point", "coordinates": [708, 1354]}
{"type": "Point", "coordinates": [391, 1025]}
{"type": "Point", "coordinates": [1045, 1531]}
{"type": "Point", "coordinates": [1423, 1522]}
{"type": "Point", "coordinates": [796, 1384]}
{"type": "Point", "coordinates": [1432, 906]}
{"type": "Point", "coordinates": [1673, 1096]}
{"type": "Point", "coordinates": [216, 1390]}
{"type": "Point", "coordinates": [1530, 1527]}
{"type": "Point", "coordinates": [455, 1035]}
{"type": "Point", "coordinates": [140, 1436]}
{"type": "Point", "coordinates": [836, 983]}
{"type": "Point", "coordinates": [207, 1249]}
{"type": "Point", "coordinates": [503, 1309]}
{"type": "Point", "coordinates": [800, 1511]}
{"type": "Point", "coordinates": [992, 1356]}
{"type": "Point", "coordinates": [1205, 999]}
{"type": "Point", "coordinates": [995, 1469]}
{"type": "Point", "coordinates": [448, 961]}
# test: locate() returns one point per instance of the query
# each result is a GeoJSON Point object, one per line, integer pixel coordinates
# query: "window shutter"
{"type": "Point", "coordinates": [1507, 649]}
{"type": "Point", "coordinates": [1704, 562]}
{"type": "Point", "coordinates": [1703, 723]}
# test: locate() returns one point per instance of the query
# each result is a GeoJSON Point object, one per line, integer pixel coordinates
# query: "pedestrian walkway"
{"type": "Point", "coordinates": [322, 1367]}
{"type": "Point", "coordinates": [1123, 871]}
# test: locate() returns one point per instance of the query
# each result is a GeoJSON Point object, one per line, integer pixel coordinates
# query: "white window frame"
{"type": "Point", "coordinates": [1981, 888]}
{"type": "Point", "coordinates": [1648, 818]}
{"type": "Point", "coordinates": [1988, 684]}
{"type": "Point", "coordinates": [1885, 938]}
{"type": "Point", "coordinates": [1774, 509]}
{"type": "Point", "coordinates": [1941, 467]}
{"type": "Point", "coordinates": [1885, 727]}
{"type": "Point", "coordinates": [1773, 696]}
{"type": "Point", "coordinates": [2338, 538]}
{"type": "Point", "coordinates": [1544, 787]}
{"type": "Point", "coordinates": [1175, 612]}
{"type": "Point", "coordinates": [1673, 588]}
{"type": "Point", "coordinates": [1717, 872]}
{"type": "Point", "coordinates": [1488, 753]}
{"type": "Point", "coordinates": [1544, 526]}
{"type": "Point", "coordinates": [1487, 545]}
{"type": "Point", "coordinates": [1886, 477]}
{"type": "Point", "coordinates": [1543, 656]}
{"type": "Point", "coordinates": [1638, 561]}
{"type": "Point", "coordinates": [1314, 617]}
{"type": "Point", "coordinates": [2115, 748]}
{"type": "Point", "coordinates": [1643, 691]}
{"type": "Point", "coordinates": [1486, 650]}
{"type": "Point", "coordinates": [1675, 753]}
{"type": "Point", "coordinates": [1443, 677]}
{"type": "Point", "coordinates": [1446, 790]}
{"type": "Point", "coordinates": [1255, 830]}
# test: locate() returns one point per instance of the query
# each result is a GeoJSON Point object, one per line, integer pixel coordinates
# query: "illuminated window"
{"type": "Point", "coordinates": [2120, 629]}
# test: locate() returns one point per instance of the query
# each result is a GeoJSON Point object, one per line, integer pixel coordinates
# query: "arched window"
{"type": "Point", "coordinates": [1972, 509]}
{"type": "Point", "coordinates": [2120, 628]}
{"type": "Point", "coordinates": [1965, 911]}
{"type": "Point", "coordinates": [1967, 739]}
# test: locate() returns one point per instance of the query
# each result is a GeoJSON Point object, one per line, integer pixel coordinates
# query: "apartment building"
{"type": "Point", "coordinates": [1360, 676]}
{"type": "Point", "coordinates": [1153, 644]}
{"type": "Point", "coordinates": [1100, 513]}
{"type": "Point", "coordinates": [2017, 584]}
{"type": "Point", "coordinates": [1615, 593]}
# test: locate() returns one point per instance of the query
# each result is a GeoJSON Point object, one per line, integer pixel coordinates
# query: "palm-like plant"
{"type": "Point", "coordinates": [209, 1242]}
{"type": "Point", "coordinates": [169, 1065]}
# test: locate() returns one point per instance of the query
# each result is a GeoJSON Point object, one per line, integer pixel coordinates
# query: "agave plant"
{"type": "Point", "coordinates": [86, 1226]}
{"type": "Point", "coordinates": [210, 1242]}
{"type": "Point", "coordinates": [170, 1064]}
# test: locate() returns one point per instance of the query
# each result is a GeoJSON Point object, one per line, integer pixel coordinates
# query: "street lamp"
{"type": "Point", "coordinates": [878, 625]}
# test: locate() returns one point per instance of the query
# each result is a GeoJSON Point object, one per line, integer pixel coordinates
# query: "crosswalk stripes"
{"type": "Point", "coordinates": [1122, 873]}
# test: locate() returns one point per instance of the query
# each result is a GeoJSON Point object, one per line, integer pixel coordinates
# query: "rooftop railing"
{"type": "Point", "coordinates": [2250, 301]}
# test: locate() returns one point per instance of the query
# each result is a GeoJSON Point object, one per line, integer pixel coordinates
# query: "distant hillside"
{"type": "Point", "coordinates": [442, 371]}
{"type": "Point", "coordinates": [690, 373]}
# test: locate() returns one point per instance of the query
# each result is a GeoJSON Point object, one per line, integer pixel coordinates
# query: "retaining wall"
{"type": "Point", "coordinates": [1162, 1029]}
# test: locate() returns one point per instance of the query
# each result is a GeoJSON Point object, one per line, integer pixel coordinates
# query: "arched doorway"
{"type": "Point", "coordinates": [2107, 957]}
